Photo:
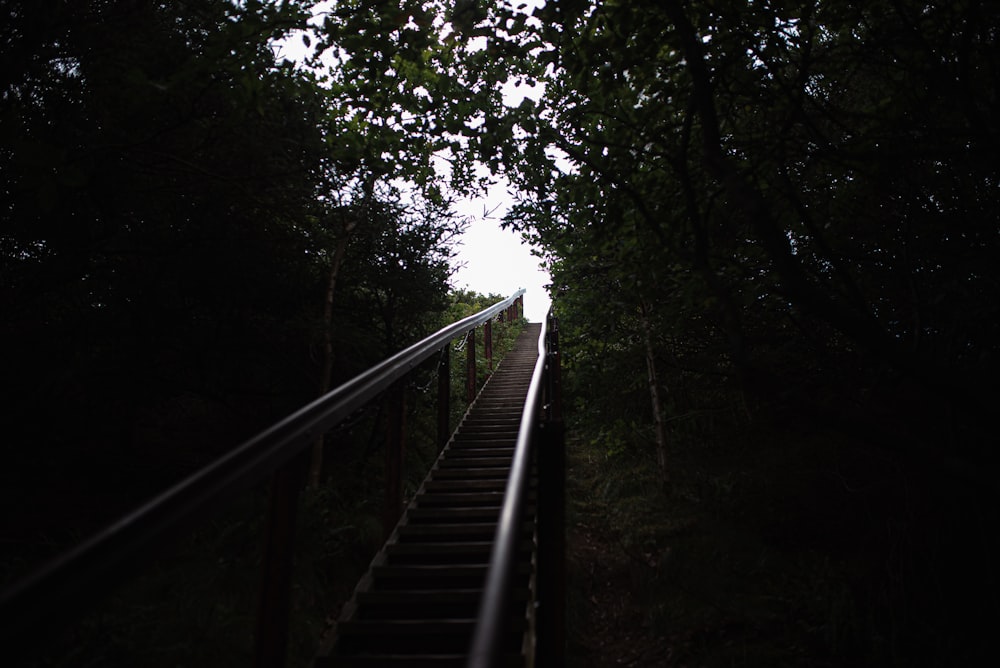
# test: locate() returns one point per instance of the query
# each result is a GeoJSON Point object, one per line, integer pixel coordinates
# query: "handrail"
{"type": "Point", "coordinates": [51, 591]}
{"type": "Point", "coordinates": [494, 610]}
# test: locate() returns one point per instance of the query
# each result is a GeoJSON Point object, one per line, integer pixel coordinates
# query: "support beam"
{"type": "Point", "coordinates": [551, 650]}
{"type": "Point", "coordinates": [470, 367]}
{"type": "Point", "coordinates": [444, 398]}
{"type": "Point", "coordinates": [488, 344]}
{"type": "Point", "coordinates": [271, 639]}
{"type": "Point", "coordinates": [395, 447]}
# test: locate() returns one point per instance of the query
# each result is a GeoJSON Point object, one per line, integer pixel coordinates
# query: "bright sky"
{"type": "Point", "coordinates": [488, 259]}
{"type": "Point", "coordinates": [493, 260]}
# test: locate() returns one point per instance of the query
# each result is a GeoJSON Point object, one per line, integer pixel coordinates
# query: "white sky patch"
{"type": "Point", "coordinates": [488, 258]}
{"type": "Point", "coordinates": [491, 259]}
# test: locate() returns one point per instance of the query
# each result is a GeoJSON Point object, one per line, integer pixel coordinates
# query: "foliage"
{"type": "Point", "coordinates": [173, 196]}
{"type": "Point", "coordinates": [788, 210]}
{"type": "Point", "coordinates": [716, 161]}
{"type": "Point", "coordinates": [793, 204]}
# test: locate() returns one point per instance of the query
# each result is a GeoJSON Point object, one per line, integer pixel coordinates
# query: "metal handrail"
{"type": "Point", "coordinates": [494, 610]}
{"type": "Point", "coordinates": [63, 585]}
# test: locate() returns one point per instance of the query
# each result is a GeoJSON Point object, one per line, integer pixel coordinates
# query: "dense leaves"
{"type": "Point", "coordinates": [809, 176]}
{"type": "Point", "coordinates": [174, 197]}
{"type": "Point", "coordinates": [782, 216]}
{"type": "Point", "coordinates": [769, 224]}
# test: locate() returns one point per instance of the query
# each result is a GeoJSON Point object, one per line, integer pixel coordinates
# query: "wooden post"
{"type": "Point", "coordinates": [271, 640]}
{"type": "Point", "coordinates": [444, 398]}
{"type": "Point", "coordinates": [551, 649]}
{"type": "Point", "coordinates": [470, 366]}
{"type": "Point", "coordinates": [551, 620]}
{"type": "Point", "coordinates": [488, 343]}
{"type": "Point", "coordinates": [554, 388]}
{"type": "Point", "coordinates": [395, 447]}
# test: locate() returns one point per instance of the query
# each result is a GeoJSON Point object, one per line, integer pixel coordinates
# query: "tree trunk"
{"type": "Point", "coordinates": [326, 373]}
{"type": "Point", "coordinates": [748, 201]}
{"type": "Point", "coordinates": [654, 395]}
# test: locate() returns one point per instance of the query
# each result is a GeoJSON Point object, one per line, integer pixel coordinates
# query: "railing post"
{"type": "Point", "coordinates": [271, 640]}
{"type": "Point", "coordinates": [488, 343]}
{"type": "Point", "coordinates": [395, 446]}
{"type": "Point", "coordinates": [470, 366]}
{"type": "Point", "coordinates": [551, 620]}
{"type": "Point", "coordinates": [444, 398]}
{"type": "Point", "coordinates": [554, 385]}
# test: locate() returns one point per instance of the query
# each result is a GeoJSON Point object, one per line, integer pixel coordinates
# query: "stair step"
{"type": "Point", "coordinates": [480, 443]}
{"type": "Point", "coordinates": [486, 451]}
{"type": "Point", "coordinates": [437, 573]}
{"type": "Point", "coordinates": [476, 462]}
{"type": "Point", "coordinates": [406, 598]}
{"type": "Point", "coordinates": [377, 660]}
{"type": "Point", "coordinates": [482, 435]}
{"type": "Point", "coordinates": [456, 532]}
{"type": "Point", "coordinates": [417, 604]}
{"type": "Point", "coordinates": [453, 514]}
{"type": "Point", "coordinates": [423, 636]}
{"type": "Point", "coordinates": [414, 627]}
{"type": "Point", "coordinates": [507, 410]}
{"type": "Point", "coordinates": [463, 486]}
{"type": "Point", "coordinates": [469, 474]}
{"type": "Point", "coordinates": [466, 499]}
{"type": "Point", "coordinates": [452, 552]}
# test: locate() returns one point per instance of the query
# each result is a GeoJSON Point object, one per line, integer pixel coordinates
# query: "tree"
{"type": "Point", "coordinates": [791, 192]}
{"type": "Point", "coordinates": [797, 192]}
{"type": "Point", "coordinates": [173, 202]}
{"type": "Point", "coordinates": [398, 261]}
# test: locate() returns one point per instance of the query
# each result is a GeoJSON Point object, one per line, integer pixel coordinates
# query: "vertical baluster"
{"type": "Point", "coordinates": [552, 513]}
{"type": "Point", "coordinates": [395, 446]}
{"type": "Point", "coordinates": [488, 343]}
{"type": "Point", "coordinates": [444, 398]}
{"type": "Point", "coordinates": [470, 366]}
{"type": "Point", "coordinates": [271, 643]}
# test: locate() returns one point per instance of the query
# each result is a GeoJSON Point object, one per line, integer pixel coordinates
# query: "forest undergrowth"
{"type": "Point", "coordinates": [775, 545]}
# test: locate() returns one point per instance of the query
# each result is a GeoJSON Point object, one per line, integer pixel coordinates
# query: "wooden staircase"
{"type": "Point", "coordinates": [417, 604]}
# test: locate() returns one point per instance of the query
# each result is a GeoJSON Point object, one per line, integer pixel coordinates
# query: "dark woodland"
{"type": "Point", "coordinates": [773, 232]}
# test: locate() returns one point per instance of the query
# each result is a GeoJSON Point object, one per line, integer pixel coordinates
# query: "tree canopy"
{"type": "Point", "coordinates": [773, 212]}
{"type": "Point", "coordinates": [807, 176]}
{"type": "Point", "coordinates": [782, 217]}
{"type": "Point", "coordinates": [178, 205]}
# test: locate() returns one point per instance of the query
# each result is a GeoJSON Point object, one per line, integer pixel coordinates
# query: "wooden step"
{"type": "Point", "coordinates": [466, 486]}
{"type": "Point", "coordinates": [486, 451]}
{"type": "Point", "coordinates": [456, 532]}
{"type": "Point", "coordinates": [471, 460]}
{"type": "Point", "coordinates": [509, 435]}
{"type": "Point", "coordinates": [429, 499]}
{"type": "Point", "coordinates": [378, 660]}
{"type": "Point", "coordinates": [481, 443]}
{"type": "Point", "coordinates": [469, 474]}
{"type": "Point", "coordinates": [453, 552]}
{"type": "Point", "coordinates": [454, 514]}
{"type": "Point", "coordinates": [422, 636]}
{"type": "Point", "coordinates": [417, 603]}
